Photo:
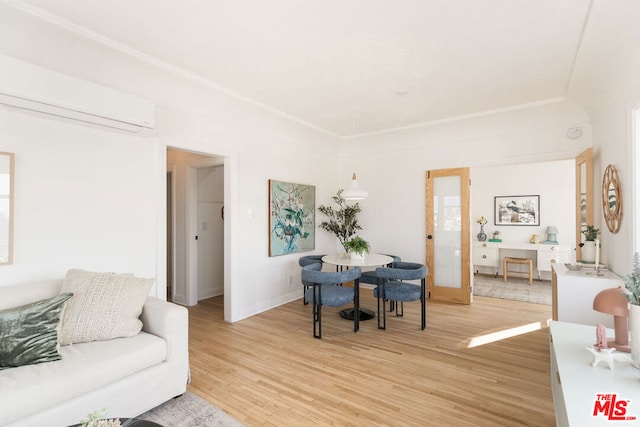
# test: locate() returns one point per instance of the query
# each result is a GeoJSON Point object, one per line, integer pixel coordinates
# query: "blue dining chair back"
{"type": "Point", "coordinates": [323, 289]}
{"type": "Point", "coordinates": [371, 278]}
{"type": "Point", "coordinates": [304, 261]}
{"type": "Point", "coordinates": [393, 287]}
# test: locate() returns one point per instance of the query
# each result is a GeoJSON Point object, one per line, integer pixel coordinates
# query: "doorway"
{"type": "Point", "coordinates": [209, 213]}
{"type": "Point", "coordinates": [195, 230]}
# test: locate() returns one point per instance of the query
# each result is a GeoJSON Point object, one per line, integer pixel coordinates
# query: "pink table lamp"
{"type": "Point", "coordinates": [611, 301]}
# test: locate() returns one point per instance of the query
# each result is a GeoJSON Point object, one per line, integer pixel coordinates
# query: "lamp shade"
{"type": "Point", "coordinates": [354, 192]}
{"type": "Point", "coordinates": [552, 229]}
{"type": "Point", "coordinates": [611, 301]}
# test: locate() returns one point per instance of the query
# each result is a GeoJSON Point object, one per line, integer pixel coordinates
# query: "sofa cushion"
{"type": "Point", "coordinates": [104, 306]}
{"type": "Point", "coordinates": [29, 333]}
{"type": "Point", "coordinates": [83, 368]}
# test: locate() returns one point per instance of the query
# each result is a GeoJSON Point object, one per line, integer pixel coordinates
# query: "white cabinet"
{"type": "Point", "coordinates": [573, 293]}
{"type": "Point", "coordinates": [489, 254]}
{"type": "Point", "coordinates": [549, 255]}
{"type": "Point", "coordinates": [485, 254]}
{"type": "Point", "coordinates": [576, 385]}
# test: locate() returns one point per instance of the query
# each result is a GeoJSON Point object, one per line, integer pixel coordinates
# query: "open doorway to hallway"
{"type": "Point", "coordinates": [195, 226]}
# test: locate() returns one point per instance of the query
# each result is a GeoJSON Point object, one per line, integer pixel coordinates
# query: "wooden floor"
{"type": "Point", "coordinates": [268, 370]}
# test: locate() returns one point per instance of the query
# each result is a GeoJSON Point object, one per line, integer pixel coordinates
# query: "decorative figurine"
{"type": "Point", "coordinates": [601, 337]}
{"type": "Point", "coordinates": [601, 351]}
{"type": "Point", "coordinates": [607, 355]}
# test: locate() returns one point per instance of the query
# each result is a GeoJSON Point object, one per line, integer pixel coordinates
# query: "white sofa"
{"type": "Point", "coordinates": [124, 376]}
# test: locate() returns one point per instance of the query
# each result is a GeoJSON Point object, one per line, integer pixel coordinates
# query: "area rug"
{"type": "Point", "coordinates": [515, 289]}
{"type": "Point", "coordinates": [190, 410]}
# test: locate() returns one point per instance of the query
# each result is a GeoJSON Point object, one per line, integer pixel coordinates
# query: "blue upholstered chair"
{"type": "Point", "coordinates": [304, 261]}
{"type": "Point", "coordinates": [371, 277]}
{"type": "Point", "coordinates": [393, 287]}
{"type": "Point", "coordinates": [324, 289]}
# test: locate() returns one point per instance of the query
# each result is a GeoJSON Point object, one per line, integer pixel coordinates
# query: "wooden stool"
{"type": "Point", "coordinates": [508, 260]}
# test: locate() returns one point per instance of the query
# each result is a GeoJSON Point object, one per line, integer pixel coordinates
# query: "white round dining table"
{"type": "Point", "coordinates": [345, 260]}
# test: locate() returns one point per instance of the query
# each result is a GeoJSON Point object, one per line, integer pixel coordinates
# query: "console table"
{"type": "Point", "coordinates": [576, 385]}
{"type": "Point", "coordinates": [487, 254]}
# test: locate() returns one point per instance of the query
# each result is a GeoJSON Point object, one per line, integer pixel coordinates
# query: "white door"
{"type": "Point", "coordinates": [210, 243]}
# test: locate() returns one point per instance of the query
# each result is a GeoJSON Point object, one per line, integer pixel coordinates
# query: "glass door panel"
{"type": "Point", "coordinates": [446, 233]}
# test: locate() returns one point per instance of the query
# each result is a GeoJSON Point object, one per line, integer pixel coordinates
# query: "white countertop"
{"type": "Point", "coordinates": [345, 260]}
{"type": "Point", "coordinates": [581, 382]}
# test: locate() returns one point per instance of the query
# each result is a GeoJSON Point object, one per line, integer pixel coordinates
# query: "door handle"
{"type": "Point", "coordinates": [429, 237]}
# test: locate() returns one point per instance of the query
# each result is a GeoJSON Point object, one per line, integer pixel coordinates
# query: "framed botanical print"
{"type": "Point", "coordinates": [291, 217]}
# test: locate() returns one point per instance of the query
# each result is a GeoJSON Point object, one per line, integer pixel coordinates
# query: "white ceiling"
{"type": "Point", "coordinates": [352, 67]}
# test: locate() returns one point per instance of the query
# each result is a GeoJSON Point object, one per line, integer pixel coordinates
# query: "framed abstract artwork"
{"type": "Point", "coordinates": [517, 210]}
{"type": "Point", "coordinates": [292, 217]}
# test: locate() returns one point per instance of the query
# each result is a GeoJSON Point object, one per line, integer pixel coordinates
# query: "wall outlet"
{"type": "Point", "coordinates": [291, 279]}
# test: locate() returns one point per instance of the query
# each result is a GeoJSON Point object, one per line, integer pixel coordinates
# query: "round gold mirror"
{"type": "Point", "coordinates": [612, 198]}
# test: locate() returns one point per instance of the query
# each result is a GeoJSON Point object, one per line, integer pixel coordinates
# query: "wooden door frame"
{"type": "Point", "coordinates": [460, 295]}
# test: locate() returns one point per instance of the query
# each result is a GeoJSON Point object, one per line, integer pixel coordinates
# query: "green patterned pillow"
{"type": "Point", "coordinates": [29, 333]}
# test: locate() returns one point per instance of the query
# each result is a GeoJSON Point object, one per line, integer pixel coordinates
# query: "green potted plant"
{"type": "Point", "coordinates": [588, 250]}
{"type": "Point", "coordinates": [342, 221]}
{"type": "Point", "coordinates": [590, 233]}
{"type": "Point", "coordinates": [357, 247]}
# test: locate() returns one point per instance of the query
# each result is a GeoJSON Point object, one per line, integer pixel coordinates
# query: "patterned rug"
{"type": "Point", "coordinates": [190, 410]}
{"type": "Point", "coordinates": [516, 289]}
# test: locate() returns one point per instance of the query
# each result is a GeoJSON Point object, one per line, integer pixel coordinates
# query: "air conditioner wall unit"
{"type": "Point", "coordinates": [41, 90]}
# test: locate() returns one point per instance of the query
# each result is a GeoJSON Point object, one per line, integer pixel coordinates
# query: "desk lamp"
{"type": "Point", "coordinates": [552, 234]}
{"type": "Point", "coordinates": [611, 301]}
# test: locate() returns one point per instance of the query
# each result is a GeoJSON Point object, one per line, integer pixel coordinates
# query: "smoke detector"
{"type": "Point", "coordinates": [574, 133]}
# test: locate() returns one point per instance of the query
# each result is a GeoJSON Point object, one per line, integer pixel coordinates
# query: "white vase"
{"type": "Point", "coordinates": [589, 251]}
{"type": "Point", "coordinates": [634, 334]}
{"type": "Point", "coordinates": [356, 255]}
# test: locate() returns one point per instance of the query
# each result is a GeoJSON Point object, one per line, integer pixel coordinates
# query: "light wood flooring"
{"type": "Point", "coordinates": [268, 370]}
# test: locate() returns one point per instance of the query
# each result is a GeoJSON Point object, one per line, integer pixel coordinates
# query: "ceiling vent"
{"type": "Point", "coordinates": [31, 88]}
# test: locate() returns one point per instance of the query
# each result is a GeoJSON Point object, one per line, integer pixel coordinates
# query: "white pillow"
{"type": "Point", "coordinates": [104, 306]}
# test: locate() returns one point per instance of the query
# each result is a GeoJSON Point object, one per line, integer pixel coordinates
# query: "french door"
{"type": "Point", "coordinates": [448, 235]}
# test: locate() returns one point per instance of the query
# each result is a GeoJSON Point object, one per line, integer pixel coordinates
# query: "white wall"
{"type": "Point", "coordinates": [606, 82]}
{"type": "Point", "coordinates": [256, 144]}
{"type": "Point", "coordinates": [554, 182]}
{"type": "Point", "coordinates": [84, 198]}
{"type": "Point", "coordinates": [393, 165]}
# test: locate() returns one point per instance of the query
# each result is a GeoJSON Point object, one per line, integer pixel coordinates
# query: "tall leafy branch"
{"type": "Point", "coordinates": [342, 221]}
